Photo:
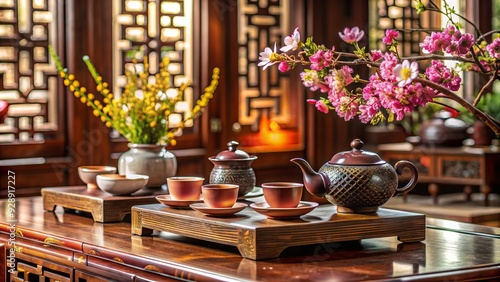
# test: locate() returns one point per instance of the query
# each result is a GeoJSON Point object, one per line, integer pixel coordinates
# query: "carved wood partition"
{"type": "Point", "coordinates": [34, 136]}
{"type": "Point", "coordinates": [247, 101]}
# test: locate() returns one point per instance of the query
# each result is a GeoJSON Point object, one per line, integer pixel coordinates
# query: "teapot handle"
{"type": "Point", "coordinates": [414, 176]}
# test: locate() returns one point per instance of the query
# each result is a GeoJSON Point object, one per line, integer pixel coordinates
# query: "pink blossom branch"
{"type": "Point", "coordinates": [489, 121]}
{"type": "Point", "coordinates": [442, 91]}
{"type": "Point", "coordinates": [362, 61]}
{"type": "Point", "coordinates": [488, 33]}
{"type": "Point", "coordinates": [437, 57]}
{"type": "Point", "coordinates": [483, 90]}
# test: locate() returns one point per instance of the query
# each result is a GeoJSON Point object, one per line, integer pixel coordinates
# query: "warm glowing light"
{"type": "Point", "coordinates": [270, 133]}
{"type": "Point", "coordinates": [274, 126]}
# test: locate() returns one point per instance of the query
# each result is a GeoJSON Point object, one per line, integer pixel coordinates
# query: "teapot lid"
{"type": "Point", "coordinates": [232, 153]}
{"type": "Point", "coordinates": [357, 156]}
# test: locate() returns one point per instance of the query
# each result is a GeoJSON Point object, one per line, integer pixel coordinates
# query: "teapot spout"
{"type": "Point", "coordinates": [316, 183]}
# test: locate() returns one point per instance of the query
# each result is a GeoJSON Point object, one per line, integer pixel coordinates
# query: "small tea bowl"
{"type": "Point", "coordinates": [185, 188]}
{"type": "Point", "coordinates": [282, 194]}
{"type": "Point", "coordinates": [116, 184]}
{"type": "Point", "coordinates": [88, 174]}
{"type": "Point", "coordinates": [220, 195]}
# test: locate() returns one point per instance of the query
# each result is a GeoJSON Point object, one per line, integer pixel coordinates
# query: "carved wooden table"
{"type": "Point", "coordinates": [464, 166]}
{"type": "Point", "coordinates": [68, 247]}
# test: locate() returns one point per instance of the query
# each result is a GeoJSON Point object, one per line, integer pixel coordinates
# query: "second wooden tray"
{"type": "Point", "coordinates": [104, 207]}
{"type": "Point", "coordinates": [258, 237]}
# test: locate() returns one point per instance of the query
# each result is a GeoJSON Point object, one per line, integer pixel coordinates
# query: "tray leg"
{"type": "Point", "coordinates": [142, 231]}
{"type": "Point", "coordinates": [97, 216]}
{"type": "Point", "coordinates": [48, 205]}
{"type": "Point", "coordinates": [248, 247]}
{"type": "Point", "coordinates": [412, 236]}
{"type": "Point", "coordinates": [264, 252]}
{"type": "Point", "coordinates": [109, 214]}
{"type": "Point", "coordinates": [136, 223]}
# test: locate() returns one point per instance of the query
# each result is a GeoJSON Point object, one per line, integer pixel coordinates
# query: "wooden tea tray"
{"type": "Point", "coordinates": [258, 237]}
{"type": "Point", "coordinates": [103, 206]}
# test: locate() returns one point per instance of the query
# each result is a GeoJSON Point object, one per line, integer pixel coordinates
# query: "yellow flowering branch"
{"type": "Point", "coordinates": [142, 113]}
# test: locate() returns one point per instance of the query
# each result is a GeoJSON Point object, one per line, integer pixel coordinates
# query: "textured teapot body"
{"type": "Point", "coordinates": [360, 188]}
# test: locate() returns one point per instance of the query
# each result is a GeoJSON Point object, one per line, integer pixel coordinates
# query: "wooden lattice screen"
{"type": "Point", "coordinates": [269, 111]}
{"type": "Point", "coordinates": [400, 15]}
{"type": "Point", "coordinates": [155, 29]}
{"type": "Point", "coordinates": [27, 75]}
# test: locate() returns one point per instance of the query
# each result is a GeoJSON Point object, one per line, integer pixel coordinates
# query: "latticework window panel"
{"type": "Point", "coordinates": [402, 16]}
{"type": "Point", "coordinates": [27, 75]}
{"type": "Point", "coordinates": [155, 29]}
{"type": "Point", "coordinates": [266, 104]}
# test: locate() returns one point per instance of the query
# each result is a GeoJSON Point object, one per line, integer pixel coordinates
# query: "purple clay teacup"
{"type": "Point", "coordinates": [185, 188]}
{"type": "Point", "coordinates": [282, 194]}
{"type": "Point", "coordinates": [220, 195]}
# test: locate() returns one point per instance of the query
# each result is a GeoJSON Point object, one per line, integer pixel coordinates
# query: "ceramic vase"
{"type": "Point", "coordinates": [482, 134]}
{"type": "Point", "coordinates": [152, 160]}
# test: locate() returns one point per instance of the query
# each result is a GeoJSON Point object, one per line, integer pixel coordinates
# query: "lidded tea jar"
{"type": "Point", "coordinates": [233, 166]}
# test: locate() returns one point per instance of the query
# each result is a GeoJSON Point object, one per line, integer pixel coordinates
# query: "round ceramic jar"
{"type": "Point", "coordinates": [233, 166]}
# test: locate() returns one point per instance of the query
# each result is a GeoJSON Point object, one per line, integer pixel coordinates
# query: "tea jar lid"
{"type": "Point", "coordinates": [232, 153]}
{"type": "Point", "coordinates": [357, 156]}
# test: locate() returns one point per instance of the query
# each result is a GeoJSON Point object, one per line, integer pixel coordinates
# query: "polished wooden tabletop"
{"type": "Point", "coordinates": [451, 250]}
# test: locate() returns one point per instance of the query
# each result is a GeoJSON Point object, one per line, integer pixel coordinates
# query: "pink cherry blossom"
{"type": "Point", "coordinates": [339, 78]}
{"type": "Point", "coordinates": [352, 35]}
{"type": "Point", "coordinates": [347, 108]}
{"type": "Point", "coordinates": [442, 75]}
{"type": "Point", "coordinates": [320, 60]}
{"type": "Point", "coordinates": [311, 80]}
{"type": "Point", "coordinates": [494, 48]}
{"type": "Point", "coordinates": [283, 67]}
{"type": "Point", "coordinates": [386, 67]}
{"type": "Point", "coordinates": [319, 104]}
{"type": "Point", "coordinates": [376, 55]}
{"type": "Point", "coordinates": [390, 36]}
{"type": "Point", "coordinates": [369, 110]}
{"type": "Point", "coordinates": [464, 43]}
{"type": "Point", "coordinates": [267, 58]}
{"type": "Point", "coordinates": [291, 42]}
{"type": "Point", "coordinates": [450, 40]}
{"type": "Point", "coordinates": [405, 72]}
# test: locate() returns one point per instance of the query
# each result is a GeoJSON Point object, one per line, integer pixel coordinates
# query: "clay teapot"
{"type": "Point", "coordinates": [443, 130]}
{"type": "Point", "coordinates": [232, 166]}
{"type": "Point", "coordinates": [356, 181]}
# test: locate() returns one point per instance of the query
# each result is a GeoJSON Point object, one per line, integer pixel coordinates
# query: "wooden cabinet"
{"type": "Point", "coordinates": [462, 166]}
{"type": "Point", "coordinates": [50, 260]}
